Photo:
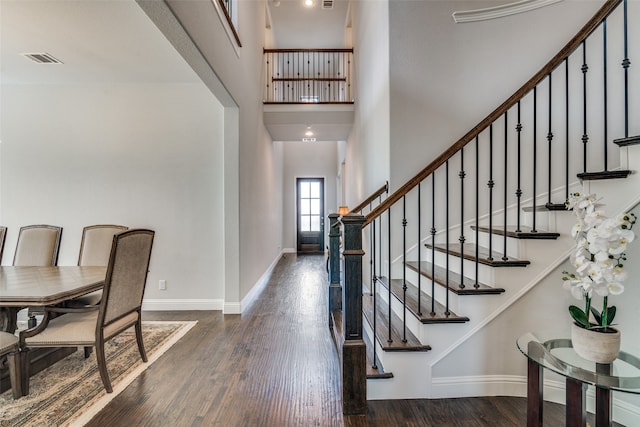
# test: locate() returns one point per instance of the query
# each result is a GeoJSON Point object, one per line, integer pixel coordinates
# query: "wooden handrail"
{"type": "Point", "coordinates": [556, 61]}
{"type": "Point", "coordinates": [230, 22]}
{"type": "Point", "coordinates": [371, 198]}
{"type": "Point", "coordinates": [347, 50]}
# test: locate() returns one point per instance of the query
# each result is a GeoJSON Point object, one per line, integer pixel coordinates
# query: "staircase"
{"type": "Point", "coordinates": [458, 245]}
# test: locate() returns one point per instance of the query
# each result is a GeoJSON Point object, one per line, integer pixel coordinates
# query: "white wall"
{"type": "Point", "coordinates": [307, 160]}
{"type": "Point", "coordinates": [141, 155]}
{"type": "Point", "coordinates": [259, 196]}
{"type": "Point", "coordinates": [446, 77]}
{"type": "Point", "coordinates": [368, 148]}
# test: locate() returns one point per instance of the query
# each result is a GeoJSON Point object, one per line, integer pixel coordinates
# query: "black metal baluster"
{"type": "Point", "coordinates": [625, 64]}
{"type": "Point", "coordinates": [519, 158]}
{"type": "Point", "coordinates": [404, 269]}
{"type": "Point", "coordinates": [477, 284]}
{"type": "Point", "coordinates": [490, 184]}
{"type": "Point", "coordinates": [307, 76]}
{"type": "Point", "coordinates": [462, 174]}
{"type": "Point", "coordinates": [585, 136]}
{"type": "Point", "coordinates": [419, 249]}
{"type": "Point", "coordinates": [535, 154]}
{"type": "Point", "coordinates": [380, 248]}
{"type": "Point", "coordinates": [389, 339]}
{"type": "Point", "coordinates": [446, 196]}
{"type": "Point", "coordinates": [372, 258]}
{"type": "Point", "coordinates": [374, 281]}
{"type": "Point", "coordinates": [566, 137]}
{"type": "Point", "coordinates": [289, 75]}
{"type": "Point", "coordinates": [549, 142]}
{"type": "Point", "coordinates": [266, 77]}
{"type": "Point", "coordinates": [433, 242]}
{"type": "Point", "coordinates": [300, 76]}
{"type": "Point", "coordinates": [605, 107]}
{"type": "Point", "coordinates": [506, 177]}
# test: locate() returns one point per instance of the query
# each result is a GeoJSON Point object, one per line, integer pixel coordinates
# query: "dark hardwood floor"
{"type": "Point", "coordinates": [276, 366]}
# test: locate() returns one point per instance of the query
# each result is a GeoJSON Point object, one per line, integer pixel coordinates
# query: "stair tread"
{"type": "Point", "coordinates": [378, 372]}
{"type": "Point", "coordinates": [471, 287]}
{"type": "Point", "coordinates": [382, 333]}
{"type": "Point", "coordinates": [468, 250]}
{"type": "Point", "coordinates": [524, 233]}
{"type": "Point", "coordinates": [546, 207]}
{"type": "Point", "coordinates": [625, 142]}
{"type": "Point", "coordinates": [593, 176]}
{"type": "Point", "coordinates": [439, 315]}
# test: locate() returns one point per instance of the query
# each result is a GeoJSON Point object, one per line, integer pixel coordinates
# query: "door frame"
{"type": "Point", "coordinates": [295, 210]}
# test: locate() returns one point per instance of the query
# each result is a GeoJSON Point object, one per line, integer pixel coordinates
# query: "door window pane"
{"type": "Point", "coordinates": [315, 223]}
{"type": "Point", "coordinates": [315, 190]}
{"type": "Point", "coordinates": [305, 222]}
{"type": "Point", "coordinates": [305, 207]}
{"type": "Point", "coordinates": [315, 206]}
{"type": "Point", "coordinates": [304, 190]}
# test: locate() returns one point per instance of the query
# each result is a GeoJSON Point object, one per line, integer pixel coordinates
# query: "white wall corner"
{"type": "Point", "coordinates": [255, 291]}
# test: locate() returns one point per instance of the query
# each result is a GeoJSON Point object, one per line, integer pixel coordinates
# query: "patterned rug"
{"type": "Point", "coordinates": [70, 392]}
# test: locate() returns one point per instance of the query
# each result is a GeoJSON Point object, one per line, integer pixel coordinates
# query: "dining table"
{"type": "Point", "coordinates": [33, 287]}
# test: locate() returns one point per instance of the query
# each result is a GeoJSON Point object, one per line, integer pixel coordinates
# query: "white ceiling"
{"type": "Point", "coordinates": [98, 42]}
{"type": "Point", "coordinates": [114, 42]}
{"type": "Point", "coordinates": [295, 25]}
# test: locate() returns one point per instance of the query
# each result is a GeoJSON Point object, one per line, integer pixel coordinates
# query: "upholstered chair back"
{"type": "Point", "coordinates": [38, 246]}
{"type": "Point", "coordinates": [126, 277]}
{"type": "Point", "coordinates": [3, 236]}
{"type": "Point", "coordinates": [95, 246]}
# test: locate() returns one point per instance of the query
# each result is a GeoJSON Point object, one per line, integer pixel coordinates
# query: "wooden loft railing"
{"type": "Point", "coordinates": [308, 76]}
{"type": "Point", "coordinates": [456, 216]}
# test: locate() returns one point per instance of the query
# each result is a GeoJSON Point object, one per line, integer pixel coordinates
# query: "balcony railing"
{"type": "Point", "coordinates": [308, 76]}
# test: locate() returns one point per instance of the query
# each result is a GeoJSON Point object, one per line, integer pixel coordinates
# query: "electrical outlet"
{"type": "Point", "coordinates": [162, 285]}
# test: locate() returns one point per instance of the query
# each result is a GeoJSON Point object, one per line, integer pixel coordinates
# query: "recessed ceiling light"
{"type": "Point", "coordinates": [308, 3]}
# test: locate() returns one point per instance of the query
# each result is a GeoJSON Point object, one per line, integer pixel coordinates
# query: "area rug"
{"type": "Point", "coordinates": [70, 392]}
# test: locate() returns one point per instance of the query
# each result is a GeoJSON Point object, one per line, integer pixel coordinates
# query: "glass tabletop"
{"type": "Point", "coordinates": [557, 355]}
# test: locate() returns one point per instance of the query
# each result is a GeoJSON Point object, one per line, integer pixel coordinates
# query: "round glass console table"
{"type": "Point", "coordinates": [557, 355]}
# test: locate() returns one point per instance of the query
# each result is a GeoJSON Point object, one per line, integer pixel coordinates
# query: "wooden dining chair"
{"type": "Point", "coordinates": [119, 309]}
{"type": "Point", "coordinates": [95, 248]}
{"type": "Point", "coordinates": [9, 348]}
{"type": "Point", "coordinates": [3, 237]}
{"type": "Point", "coordinates": [38, 246]}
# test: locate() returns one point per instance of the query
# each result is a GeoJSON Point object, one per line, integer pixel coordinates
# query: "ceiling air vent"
{"type": "Point", "coordinates": [42, 58]}
{"type": "Point", "coordinates": [327, 4]}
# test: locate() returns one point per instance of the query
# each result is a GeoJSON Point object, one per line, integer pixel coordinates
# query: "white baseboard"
{"type": "Point", "coordinates": [623, 412]}
{"type": "Point", "coordinates": [213, 304]}
{"type": "Point", "coordinates": [289, 251]}
{"type": "Point", "coordinates": [181, 304]}
{"type": "Point", "coordinates": [487, 385]}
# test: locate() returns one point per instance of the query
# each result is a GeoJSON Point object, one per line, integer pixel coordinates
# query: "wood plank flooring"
{"type": "Point", "coordinates": [276, 366]}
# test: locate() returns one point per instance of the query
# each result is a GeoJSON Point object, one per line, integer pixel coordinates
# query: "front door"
{"type": "Point", "coordinates": [310, 215]}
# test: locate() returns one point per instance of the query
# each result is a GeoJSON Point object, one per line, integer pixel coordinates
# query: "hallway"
{"type": "Point", "coordinates": [276, 366]}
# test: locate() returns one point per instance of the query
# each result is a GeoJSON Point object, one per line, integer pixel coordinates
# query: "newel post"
{"type": "Point", "coordinates": [335, 287]}
{"type": "Point", "coordinates": [354, 373]}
